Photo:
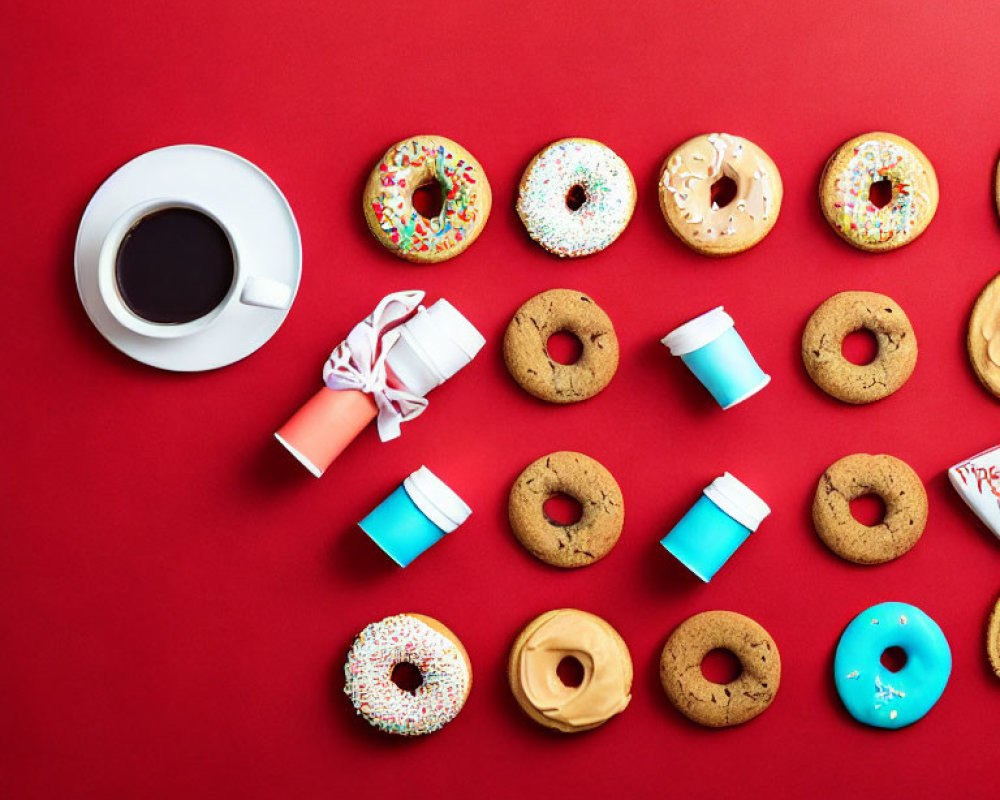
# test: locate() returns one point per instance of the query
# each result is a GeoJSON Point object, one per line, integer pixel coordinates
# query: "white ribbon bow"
{"type": "Point", "coordinates": [358, 362]}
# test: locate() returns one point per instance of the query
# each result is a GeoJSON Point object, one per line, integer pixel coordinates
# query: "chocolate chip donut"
{"type": "Point", "coordinates": [719, 705]}
{"type": "Point", "coordinates": [860, 474]}
{"type": "Point", "coordinates": [525, 347]}
{"type": "Point", "coordinates": [847, 312]}
{"type": "Point", "coordinates": [588, 539]}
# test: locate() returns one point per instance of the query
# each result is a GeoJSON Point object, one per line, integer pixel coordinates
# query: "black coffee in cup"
{"type": "Point", "coordinates": [174, 266]}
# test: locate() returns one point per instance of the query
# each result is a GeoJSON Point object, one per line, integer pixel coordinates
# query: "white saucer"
{"type": "Point", "coordinates": [257, 217]}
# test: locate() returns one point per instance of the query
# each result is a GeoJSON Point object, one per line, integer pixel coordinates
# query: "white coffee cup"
{"type": "Point", "coordinates": [247, 289]}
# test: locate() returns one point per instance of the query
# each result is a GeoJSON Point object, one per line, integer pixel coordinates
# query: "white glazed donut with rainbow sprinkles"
{"type": "Point", "coordinates": [424, 643]}
{"type": "Point", "coordinates": [576, 197]}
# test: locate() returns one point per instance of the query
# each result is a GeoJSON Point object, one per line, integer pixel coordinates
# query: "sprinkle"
{"type": "Point", "coordinates": [902, 619]}
{"type": "Point", "coordinates": [853, 675]}
{"type": "Point", "coordinates": [405, 639]}
{"type": "Point", "coordinates": [876, 160]}
{"type": "Point", "coordinates": [885, 693]}
{"type": "Point", "coordinates": [893, 714]}
{"type": "Point", "coordinates": [610, 197]}
{"type": "Point", "coordinates": [413, 164]}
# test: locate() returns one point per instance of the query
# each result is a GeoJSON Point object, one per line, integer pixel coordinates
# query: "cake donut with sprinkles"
{"type": "Point", "coordinates": [720, 194]}
{"type": "Point", "coordinates": [423, 642]}
{"type": "Point", "coordinates": [576, 197]}
{"type": "Point", "coordinates": [415, 163]}
{"type": "Point", "coordinates": [878, 191]}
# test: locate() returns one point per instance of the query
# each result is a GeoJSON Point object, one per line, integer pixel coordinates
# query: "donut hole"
{"type": "Point", "coordinates": [562, 510]}
{"type": "Point", "coordinates": [868, 509]}
{"type": "Point", "coordinates": [893, 658]}
{"type": "Point", "coordinates": [428, 199]}
{"type": "Point", "coordinates": [576, 197]}
{"type": "Point", "coordinates": [860, 347]}
{"type": "Point", "coordinates": [564, 347]}
{"type": "Point", "coordinates": [570, 672]}
{"type": "Point", "coordinates": [721, 666]}
{"type": "Point", "coordinates": [880, 193]}
{"type": "Point", "coordinates": [723, 192]}
{"type": "Point", "coordinates": [407, 677]}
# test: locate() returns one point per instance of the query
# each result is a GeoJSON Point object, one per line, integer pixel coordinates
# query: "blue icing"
{"type": "Point", "coordinates": [877, 696]}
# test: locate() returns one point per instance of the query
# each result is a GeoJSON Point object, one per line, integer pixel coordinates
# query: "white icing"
{"type": "Point", "coordinates": [610, 193]}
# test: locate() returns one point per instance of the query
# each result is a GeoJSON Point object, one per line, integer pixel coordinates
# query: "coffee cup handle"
{"type": "Point", "coordinates": [266, 293]}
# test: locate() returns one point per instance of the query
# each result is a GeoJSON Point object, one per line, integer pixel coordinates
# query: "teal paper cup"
{"type": "Point", "coordinates": [415, 516]}
{"type": "Point", "coordinates": [712, 349]}
{"type": "Point", "coordinates": [714, 527]}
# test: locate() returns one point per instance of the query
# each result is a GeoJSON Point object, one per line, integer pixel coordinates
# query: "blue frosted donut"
{"type": "Point", "coordinates": [876, 695]}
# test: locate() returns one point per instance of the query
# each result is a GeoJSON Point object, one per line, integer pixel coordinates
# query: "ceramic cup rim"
{"type": "Point", "coordinates": [108, 284]}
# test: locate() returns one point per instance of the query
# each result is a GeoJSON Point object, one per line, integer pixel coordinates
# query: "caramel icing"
{"type": "Point", "coordinates": [604, 689]}
{"type": "Point", "coordinates": [695, 166]}
{"type": "Point", "coordinates": [991, 328]}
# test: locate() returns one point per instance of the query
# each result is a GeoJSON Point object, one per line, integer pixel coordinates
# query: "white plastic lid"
{"type": "Point", "coordinates": [436, 500]}
{"type": "Point", "coordinates": [434, 344]}
{"type": "Point", "coordinates": [737, 500]}
{"type": "Point", "coordinates": [698, 332]}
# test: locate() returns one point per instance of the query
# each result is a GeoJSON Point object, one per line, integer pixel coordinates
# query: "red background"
{"type": "Point", "coordinates": [178, 595]}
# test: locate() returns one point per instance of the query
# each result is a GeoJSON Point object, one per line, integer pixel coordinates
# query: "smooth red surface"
{"type": "Point", "coordinates": [177, 594]}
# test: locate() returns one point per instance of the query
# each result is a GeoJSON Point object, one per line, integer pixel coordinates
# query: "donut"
{"type": "Point", "coordinates": [576, 197]}
{"type": "Point", "coordinates": [602, 655]}
{"type": "Point", "coordinates": [874, 694]}
{"type": "Point", "coordinates": [993, 638]}
{"type": "Point", "coordinates": [525, 347]}
{"type": "Point", "coordinates": [423, 642]}
{"type": "Point", "coordinates": [583, 542]}
{"type": "Point", "coordinates": [899, 488]}
{"type": "Point", "coordinates": [719, 705]}
{"type": "Point", "coordinates": [695, 201]}
{"type": "Point", "coordinates": [983, 338]}
{"type": "Point", "coordinates": [845, 313]}
{"type": "Point", "coordinates": [409, 165]}
{"type": "Point", "coordinates": [909, 197]}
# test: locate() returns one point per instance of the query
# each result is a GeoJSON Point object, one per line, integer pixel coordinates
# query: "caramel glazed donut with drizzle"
{"type": "Point", "coordinates": [606, 682]}
{"type": "Point", "coordinates": [687, 184]}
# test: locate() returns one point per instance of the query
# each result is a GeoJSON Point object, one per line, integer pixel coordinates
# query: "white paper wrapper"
{"type": "Point", "coordinates": [977, 480]}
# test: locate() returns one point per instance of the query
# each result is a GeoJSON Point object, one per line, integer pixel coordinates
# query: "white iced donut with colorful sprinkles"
{"type": "Point", "coordinates": [576, 197]}
{"type": "Point", "coordinates": [878, 191]}
{"type": "Point", "coordinates": [426, 644]}
{"type": "Point", "coordinates": [720, 194]}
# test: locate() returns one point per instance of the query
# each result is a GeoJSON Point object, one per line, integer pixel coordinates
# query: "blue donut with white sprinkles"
{"type": "Point", "coordinates": [876, 695]}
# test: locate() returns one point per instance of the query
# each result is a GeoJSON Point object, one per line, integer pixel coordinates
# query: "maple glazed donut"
{"type": "Point", "coordinates": [720, 194]}
{"type": "Point", "coordinates": [423, 642]}
{"type": "Point", "coordinates": [878, 191]}
{"type": "Point", "coordinates": [414, 163]}
{"type": "Point", "coordinates": [576, 197]}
